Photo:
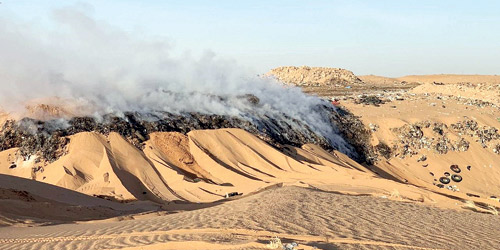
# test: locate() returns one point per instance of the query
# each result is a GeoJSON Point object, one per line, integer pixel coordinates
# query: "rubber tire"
{"type": "Point", "coordinates": [455, 169]}
{"type": "Point", "coordinates": [444, 180]}
{"type": "Point", "coordinates": [456, 178]}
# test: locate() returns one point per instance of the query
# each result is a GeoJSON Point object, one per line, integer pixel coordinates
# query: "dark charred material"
{"type": "Point", "coordinates": [355, 133]}
{"type": "Point", "coordinates": [48, 139]}
{"type": "Point", "coordinates": [384, 150]}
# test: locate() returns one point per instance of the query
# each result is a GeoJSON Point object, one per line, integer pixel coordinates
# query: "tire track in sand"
{"type": "Point", "coordinates": [261, 235]}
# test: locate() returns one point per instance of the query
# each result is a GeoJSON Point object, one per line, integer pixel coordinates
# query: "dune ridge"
{"type": "Point", "coordinates": [203, 166]}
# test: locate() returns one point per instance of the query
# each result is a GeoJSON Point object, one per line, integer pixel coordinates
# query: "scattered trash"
{"type": "Point", "coordinates": [373, 127]}
{"type": "Point", "coordinates": [453, 188]}
{"type": "Point", "coordinates": [370, 100]}
{"type": "Point", "coordinates": [483, 134]}
{"type": "Point", "coordinates": [494, 198]}
{"type": "Point", "coordinates": [291, 246]}
{"type": "Point", "coordinates": [455, 168]}
{"type": "Point", "coordinates": [13, 166]}
{"type": "Point", "coordinates": [422, 158]}
{"type": "Point", "coordinates": [274, 243]}
{"type": "Point", "coordinates": [412, 138]}
{"type": "Point", "coordinates": [444, 180]}
{"type": "Point", "coordinates": [456, 178]}
{"type": "Point", "coordinates": [496, 148]}
{"type": "Point", "coordinates": [469, 167]}
{"type": "Point", "coordinates": [232, 194]}
{"type": "Point", "coordinates": [425, 165]}
{"type": "Point", "coordinates": [473, 195]}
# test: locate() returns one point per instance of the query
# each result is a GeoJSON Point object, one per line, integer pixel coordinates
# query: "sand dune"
{"type": "Point", "coordinates": [203, 166]}
{"type": "Point", "coordinates": [311, 218]}
{"type": "Point", "coordinates": [482, 92]}
{"type": "Point", "coordinates": [373, 79]}
{"type": "Point", "coordinates": [450, 78]}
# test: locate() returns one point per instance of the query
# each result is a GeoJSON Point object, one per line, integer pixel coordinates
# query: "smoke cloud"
{"type": "Point", "coordinates": [103, 70]}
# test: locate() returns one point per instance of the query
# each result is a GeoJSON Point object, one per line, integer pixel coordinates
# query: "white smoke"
{"type": "Point", "coordinates": [104, 70]}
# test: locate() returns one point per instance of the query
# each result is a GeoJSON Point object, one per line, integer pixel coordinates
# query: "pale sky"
{"type": "Point", "coordinates": [384, 37]}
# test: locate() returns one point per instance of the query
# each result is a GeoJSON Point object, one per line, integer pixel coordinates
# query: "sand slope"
{"type": "Point", "coordinates": [312, 218]}
{"type": "Point", "coordinates": [482, 92]}
{"type": "Point", "coordinates": [450, 78]}
{"type": "Point", "coordinates": [203, 166]}
{"type": "Point", "coordinates": [431, 104]}
{"type": "Point", "coordinates": [373, 79]}
{"type": "Point", "coordinates": [297, 194]}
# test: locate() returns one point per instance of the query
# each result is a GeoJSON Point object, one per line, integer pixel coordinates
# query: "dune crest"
{"type": "Point", "coordinates": [203, 166]}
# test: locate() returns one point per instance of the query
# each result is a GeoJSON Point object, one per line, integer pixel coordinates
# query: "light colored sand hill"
{"type": "Point", "coordinates": [484, 92]}
{"type": "Point", "coordinates": [448, 78]}
{"type": "Point", "coordinates": [312, 218]}
{"type": "Point", "coordinates": [25, 202]}
{"type": "Point", "coordinates": [305, 75]}
{"type": "Point", "coordinates": [373, 79]}
{"type": "Point", "coordinates": [50, 108]}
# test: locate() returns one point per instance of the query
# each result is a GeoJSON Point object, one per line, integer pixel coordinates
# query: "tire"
{"type": "Point", "coordinates": [444, 180]}
{"type": "Point", "coordinates": [456, 178]}
{"type": "Point", "coordinates": [455, 169]}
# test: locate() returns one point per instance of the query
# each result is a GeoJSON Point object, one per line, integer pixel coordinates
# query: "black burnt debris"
{"type": "Point", "coordinates": [355, 133]}
{"type": "Point", "coordinates": [48, 139]}
{"type": "Point", "coordinates": [20, 134]}
{"type": "Point", "coordinates": [384, 150]}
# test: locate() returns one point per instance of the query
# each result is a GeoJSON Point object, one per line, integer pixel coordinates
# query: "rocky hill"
{"type": "Point", "coordinates": [314, 76]}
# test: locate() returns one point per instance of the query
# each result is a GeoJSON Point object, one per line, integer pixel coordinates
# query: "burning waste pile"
{"type": "Point", "coordinates": [114, 82]}
{"type": "Point", "coordinates": [48, 138]}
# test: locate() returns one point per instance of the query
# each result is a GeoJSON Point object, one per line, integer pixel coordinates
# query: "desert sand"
{"type": "Point", "coordinates": [103, 192]}
{"type": "Point", "coordinates": [310, 217]}
{"type": "Point", "coordinates": [450, 78]}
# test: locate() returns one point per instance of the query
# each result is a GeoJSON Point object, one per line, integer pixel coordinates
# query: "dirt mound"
{"type": "Point", "coordinates": [311, 76]}
{"type": "Point", "coordinates": [451, 79]}
{"type": "Point", "coordinates": [474, 93]}
{"type": "Point", "coordinates": [382, 80]}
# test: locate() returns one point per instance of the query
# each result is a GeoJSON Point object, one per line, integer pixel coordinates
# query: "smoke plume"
{"type": "Point", "coordinates": [97, 69]}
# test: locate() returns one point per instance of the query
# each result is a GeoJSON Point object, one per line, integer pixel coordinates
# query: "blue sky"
{"type": "Point", "coordinates": [384, 37]}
